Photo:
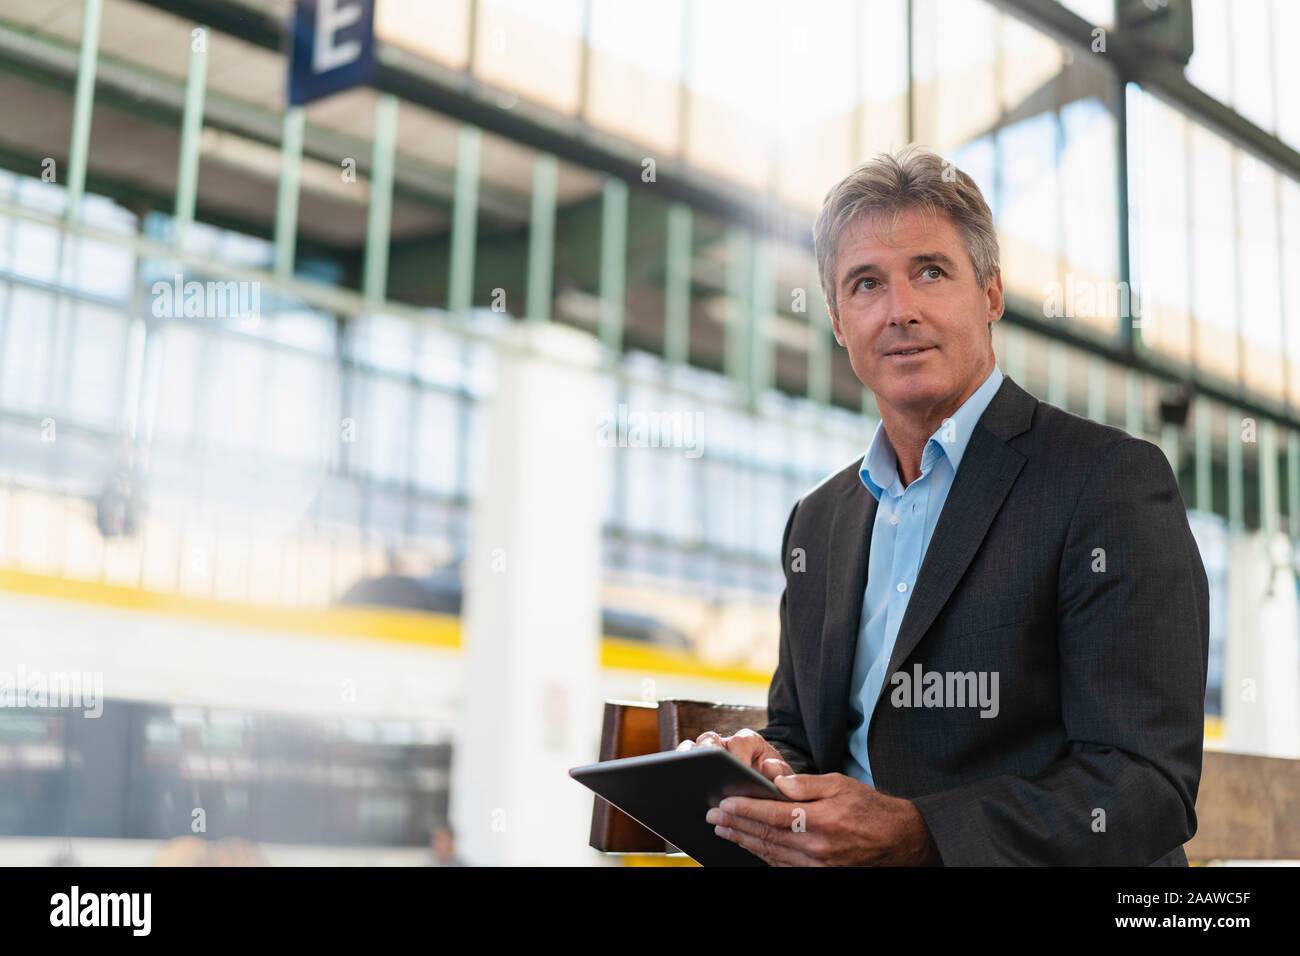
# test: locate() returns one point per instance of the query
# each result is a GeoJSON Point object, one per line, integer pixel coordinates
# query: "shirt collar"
{"type": "Point", "coordinates": [879, 469]}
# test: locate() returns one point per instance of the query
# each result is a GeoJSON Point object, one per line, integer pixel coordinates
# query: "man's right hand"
{"type": "Point", "coordinates": [749, 746]}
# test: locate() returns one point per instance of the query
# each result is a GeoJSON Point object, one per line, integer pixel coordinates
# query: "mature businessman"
{"type": "Point", "coordinates": [994, 629]}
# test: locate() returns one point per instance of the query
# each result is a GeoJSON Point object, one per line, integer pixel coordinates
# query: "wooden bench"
{"type": "Point", "coordinates": [1247, 808]}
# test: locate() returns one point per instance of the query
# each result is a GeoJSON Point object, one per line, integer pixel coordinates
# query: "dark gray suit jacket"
{"type": "Point", "coordinates": [1062, 561]}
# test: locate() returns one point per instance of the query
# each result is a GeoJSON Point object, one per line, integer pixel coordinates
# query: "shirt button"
{"type": "Point", "coordinates": [902, 586]}
{"type": "Point", "coordinates": [893, 519]}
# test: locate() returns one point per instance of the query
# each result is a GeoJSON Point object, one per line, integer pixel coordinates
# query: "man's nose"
{"type": "Point", "coordinates": [902, 303]}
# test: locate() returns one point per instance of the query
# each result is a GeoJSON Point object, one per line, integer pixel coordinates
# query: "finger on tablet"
{"type": "Point", "coordinates": [774, 767]}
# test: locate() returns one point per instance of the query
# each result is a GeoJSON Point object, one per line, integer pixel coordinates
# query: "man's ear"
{"type": "Point", "coordinates": [996, 302]}
{"type": "Point", "coordinates": [835, 324]}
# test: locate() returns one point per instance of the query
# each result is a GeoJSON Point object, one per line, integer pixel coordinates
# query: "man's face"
{"type": "Point", "coordinates": [913, 288]}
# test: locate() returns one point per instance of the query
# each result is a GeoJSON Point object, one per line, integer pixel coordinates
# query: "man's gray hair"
{"type": "Point", "coordinates": [910, 178]}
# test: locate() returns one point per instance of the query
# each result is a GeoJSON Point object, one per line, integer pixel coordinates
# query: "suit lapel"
{"type": "Point", "coordinates": [846, 585]}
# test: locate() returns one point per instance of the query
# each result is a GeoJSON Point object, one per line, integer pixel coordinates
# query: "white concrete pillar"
{"type": "Point", "coordinates": [531, 706]}
{"type": "Point", "coordinates": [1261, 671]}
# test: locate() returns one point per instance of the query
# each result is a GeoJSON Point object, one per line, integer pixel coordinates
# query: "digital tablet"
{"type": "Point", "coordinates": [670, 793]}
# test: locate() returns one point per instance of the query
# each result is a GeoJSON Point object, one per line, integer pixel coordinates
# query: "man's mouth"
{"type": "Point", "coordinates": [915, 351]}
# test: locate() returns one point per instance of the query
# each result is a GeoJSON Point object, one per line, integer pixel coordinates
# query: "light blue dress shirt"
{"type": "Point", "coordinates": [905, 520]}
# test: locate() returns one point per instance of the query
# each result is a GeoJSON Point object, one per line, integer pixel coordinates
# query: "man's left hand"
{"type": "Point", "coordinates": [834, 820]}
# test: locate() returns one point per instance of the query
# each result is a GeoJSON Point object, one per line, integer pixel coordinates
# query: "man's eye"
{"type": "Point", "coordinates": [935, 269]}
{"type": "Point", "coordinates": [866, 288]}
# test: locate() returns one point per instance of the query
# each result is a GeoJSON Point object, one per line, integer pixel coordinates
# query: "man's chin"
{"type": "Point", "coordinates": [909, 390]}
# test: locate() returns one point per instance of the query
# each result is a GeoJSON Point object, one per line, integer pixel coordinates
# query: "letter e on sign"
{"type": "Point", "coordinates": [333, 48]}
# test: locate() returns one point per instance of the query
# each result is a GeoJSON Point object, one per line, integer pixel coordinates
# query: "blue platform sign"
{"type": "Point", "coordinates": [333, 48]}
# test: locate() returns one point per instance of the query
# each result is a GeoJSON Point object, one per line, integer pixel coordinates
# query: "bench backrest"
{"type": "Point", "coordinates": [1247, 808]}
